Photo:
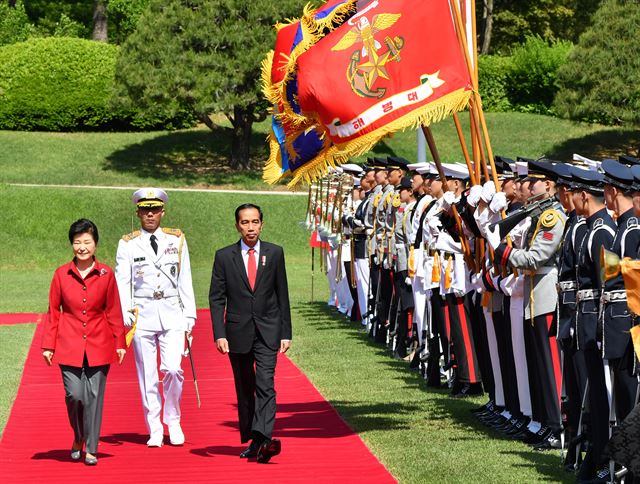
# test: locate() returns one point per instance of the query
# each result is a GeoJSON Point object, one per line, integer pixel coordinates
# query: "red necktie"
{"type": "Point", "coordinates": [251, 268]}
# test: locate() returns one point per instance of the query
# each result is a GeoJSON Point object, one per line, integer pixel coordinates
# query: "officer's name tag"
{"type": "Point", "coordinates": [171, 250]}
{"type": "Point", "coordinates": [139, 259]}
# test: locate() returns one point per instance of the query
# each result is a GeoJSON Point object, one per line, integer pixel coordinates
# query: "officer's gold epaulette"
{"type": "Point", "coordinates": [131, 235]}
{"type": "Point", "coordinates": [396, 200]}
{"type": "Point", "coordinates": [176, 232]}
{"type": "Point", "coordinates": [549, 217]}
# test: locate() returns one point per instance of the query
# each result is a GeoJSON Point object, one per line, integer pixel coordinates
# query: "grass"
{"type": "Point", "coordinates": [421, 435]}
{"type": "Point", "coordinates": [14, 344]}
{"type": "Point", "coordinates": [198, 158]}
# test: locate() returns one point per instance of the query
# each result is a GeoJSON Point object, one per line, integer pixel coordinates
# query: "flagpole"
{"type": "Point", "coordinates": [465, 152]}
{"type": "Point", "coordinates": [436, 158]}
{"type": "Point", "coordinates": [477, 104]}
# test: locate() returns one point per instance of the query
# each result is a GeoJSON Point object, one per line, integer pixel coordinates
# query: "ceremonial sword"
{"type": "Point", "coordinates": [193, 370]}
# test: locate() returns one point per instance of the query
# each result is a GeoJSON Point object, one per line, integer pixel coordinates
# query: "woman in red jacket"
{"type": "Point", "coordinates": [84, 333]}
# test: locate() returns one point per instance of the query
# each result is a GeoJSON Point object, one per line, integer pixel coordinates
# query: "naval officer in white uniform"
{"type": "Point", "coordinates": [154, 275]}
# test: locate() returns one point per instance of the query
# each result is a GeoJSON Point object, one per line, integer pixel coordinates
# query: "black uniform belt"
{"type": "Point", "coordinates": [614, 296]}
{"type": "Point", "coordinates": [564, 286]}
{"type": "Point", "coordinates": [587, 294]}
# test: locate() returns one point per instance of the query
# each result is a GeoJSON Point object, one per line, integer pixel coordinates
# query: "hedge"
{"type": "Point", "coordinates": [63, 84]}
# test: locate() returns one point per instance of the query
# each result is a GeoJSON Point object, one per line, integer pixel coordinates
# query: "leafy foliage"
{"type": "Point", "coordinates": [200, 55]}
{"type": "Point", "coordinates": [601, 78]}
{"type": "Point", "coordinates": [48, 15]}
{"type": "Point", "coordinates": [14, 24]}
{"type": "Point", "coordinates": [492, 80]}
{"type": "Point", "coordinates": [532, 75]}
{"type": "Point", "coordinates": [123, 18]}
{"type": "Point", "coordinates": [552, 20]}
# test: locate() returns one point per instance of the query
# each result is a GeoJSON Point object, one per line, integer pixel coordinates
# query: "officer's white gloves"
{"type": "Point", "coordinates": [476, 282]}
{"type": "Point", "coordinates": [493, 236]}
{"type": "Point", "coordinates": [488, 191]}
{"type": "Point", "coordinates": [474, 195]}
{"type": "Point", "coordinates": [434, 224]}
{"type": "Point", "coordinates": [407, 281]}
{"type": "Point", "coordinates": [448, 199]}
{"type": "Point", "coordinates": [498, 202]}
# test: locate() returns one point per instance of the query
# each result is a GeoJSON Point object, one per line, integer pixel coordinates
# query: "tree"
{"type": "Point", "coordinates": [600, 80]}
{"type": "Point", "coordinates": [100, 21]}
{"type": "Point", "coordinates": [204, 55]}
{"type": "Point", "coordinates": [505, 23]}
{"type": "Point", "coordinates": [14, 23]}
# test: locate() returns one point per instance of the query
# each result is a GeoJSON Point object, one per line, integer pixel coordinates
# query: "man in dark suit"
{"type": "Point", "coordinates": [249, 302]}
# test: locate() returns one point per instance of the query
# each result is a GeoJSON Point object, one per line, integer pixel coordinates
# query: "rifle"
{"type": "Point", "coordinates": [514, 218]}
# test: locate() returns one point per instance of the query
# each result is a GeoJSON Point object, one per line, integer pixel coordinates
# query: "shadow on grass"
{"type": "Point", "coordinates": [363, 416]}
{"type": "Point", "coordinates": [607, 143]}
{"type": "Point", "coordinates": [193, 156]}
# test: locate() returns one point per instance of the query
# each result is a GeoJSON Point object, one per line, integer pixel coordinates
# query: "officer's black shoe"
{"type": "Point", "coordinates": [602, 475]}
{"type": "Point", "coordinates": [487, 406]}
{"type": "Point", "coordinates": [507, 426]}
{"type": "Point", "coordinates": [468, 390]}
{"type": "Point", "coordinates": [539, 437]}
{"type": "Point", "coordinates": [551, 442]}
{"type": "Point", "coordinates": [519, 426]}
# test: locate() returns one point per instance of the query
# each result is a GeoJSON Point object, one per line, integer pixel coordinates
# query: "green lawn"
{"type": "Point", "coordinates": [197, 158]}
{"type": "Point", "coordinates": [421, 435]}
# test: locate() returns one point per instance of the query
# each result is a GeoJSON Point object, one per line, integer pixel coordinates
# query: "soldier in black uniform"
{"type": "Point", "coordinates": [588, 197]}
{"type": "Point", "coordinates": [574, 369]}
{"type": "Point", "coordinates": [617, 347]}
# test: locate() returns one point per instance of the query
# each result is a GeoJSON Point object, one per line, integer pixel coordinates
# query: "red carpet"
{"type": "Point", "coordinates": [317, 445]}
{"type": "Point", "coordinates": [20, 318]}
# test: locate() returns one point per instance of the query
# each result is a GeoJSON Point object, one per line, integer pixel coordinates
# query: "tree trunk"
{"type": "Point", "coordinates": [100, 25]}
{"type": "Point", "coordinates": [241, 138]}
{"type": "Point", "coordinates": [487, 25]}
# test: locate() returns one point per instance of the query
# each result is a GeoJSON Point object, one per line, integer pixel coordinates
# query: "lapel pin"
{"type": "Point", "coordinates": [264, 260]}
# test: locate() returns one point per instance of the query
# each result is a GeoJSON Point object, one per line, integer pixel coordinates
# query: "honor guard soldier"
{"type": "Point", "coordinates": [588, 196]}
{"type": "Point", "coordinates": [403, 295]}
{"type": "Point", "coordinates": [356, 223]}
{"type": "Point", "coordinates": [371, 223]}
{"type": "Point", "coordinates": [574, 370]}
{"type": "Point", "coordinates": [617, 347]}
{"type": "Point", "coordinates": [538, 261]}
{"type": "Point", "coordinates": [154, 281]}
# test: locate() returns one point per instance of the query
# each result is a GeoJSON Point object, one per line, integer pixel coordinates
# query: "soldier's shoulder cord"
{"type": "Point", "coordinates": [132, 235]}
{"type": "Point", "coordinates": [175, 232]}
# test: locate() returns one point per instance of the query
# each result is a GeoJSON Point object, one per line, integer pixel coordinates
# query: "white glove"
{"type": "Point", "coordinates": [493, 236]}
{"type": "Point", "coordinates": [488, 191]}
{"type": "Point", "coordinates": [474, 195]}
{"type": "Point", "coordinates": [476, 282]}
{"type": "Point", "coordinates": [498, 203]}
{"type": "Point", "coordinates": [434, 224]}
{"type": "Point", "coordinates": [129, 319]}
{"type": "Point", "coordinates": [407, 281]}
{"type": "Point", "coordinates": [507, 284]}
{"type": "Point", "coordinates": [448, 199]}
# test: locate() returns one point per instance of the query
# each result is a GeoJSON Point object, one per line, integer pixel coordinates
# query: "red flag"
{"type": "Point", "coordinates": [394, 64]}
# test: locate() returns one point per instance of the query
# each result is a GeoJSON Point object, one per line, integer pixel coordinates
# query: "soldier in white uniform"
{"type": "Point", "coordinates": [154, 279]}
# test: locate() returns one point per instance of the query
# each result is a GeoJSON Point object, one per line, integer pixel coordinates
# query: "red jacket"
{"type": "Point", "coordinates": [84, 316]}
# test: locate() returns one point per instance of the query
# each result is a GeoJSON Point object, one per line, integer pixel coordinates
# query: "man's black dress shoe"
{"type": "Point", "coordinates": [251, 451]}
{"type": "Point", "coordinates": [539, 437]}
{"type": "Point", "coordinates": [268, 449]}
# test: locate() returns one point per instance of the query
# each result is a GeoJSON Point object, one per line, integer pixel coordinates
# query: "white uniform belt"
{"type": "Point", "coordinates": [148, 293]}
{"type": "Point", "coordinates": [564, 286]}
{"type": "Point", "coordinates": [542, 270]}
{"type": "Point", "coordinates": [587, 294]}
{"type": "Point", "coordinates": [610, 296]}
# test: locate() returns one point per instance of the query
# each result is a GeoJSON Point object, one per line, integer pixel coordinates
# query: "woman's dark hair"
{"type": "Point", "coordinates": [83, 226]}
{"type": "Point", "coordinates": [246, 206]}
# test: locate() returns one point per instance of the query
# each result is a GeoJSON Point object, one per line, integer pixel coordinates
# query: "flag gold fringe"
{"type": "Point", "coordinates": [337, 154]}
